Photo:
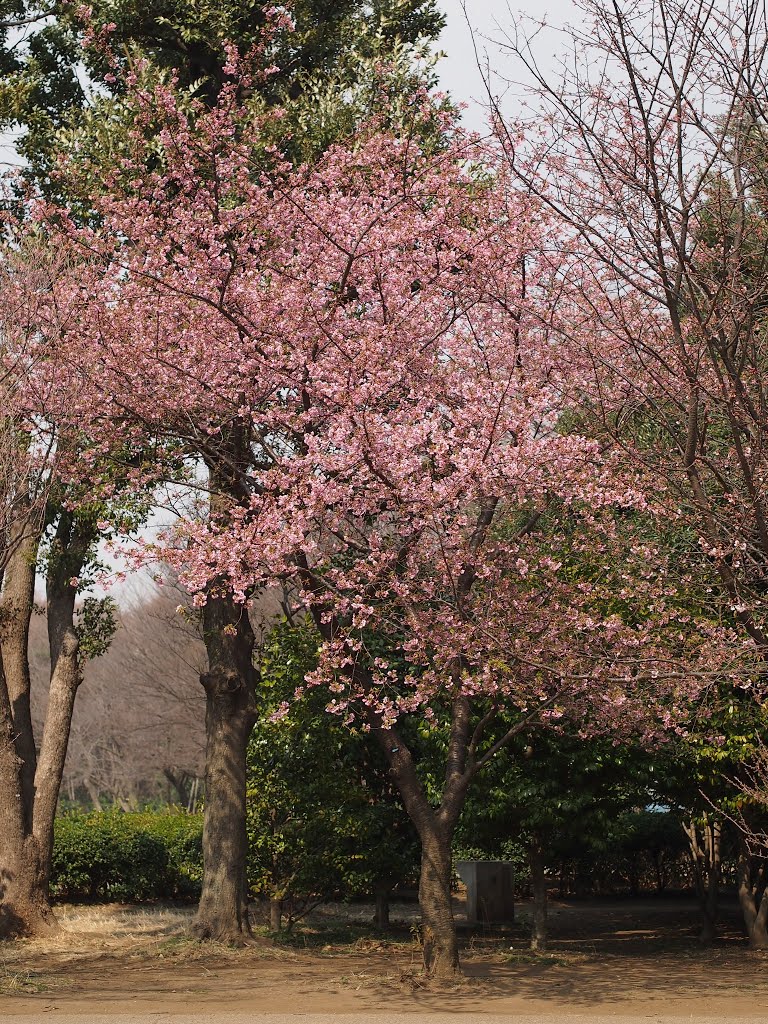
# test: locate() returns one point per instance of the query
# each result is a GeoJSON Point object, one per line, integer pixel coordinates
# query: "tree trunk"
{"type": "Point", "coordinates": [441, 948]}
{"type": "Point", "coordinates": [69, 552]}
{"type": "Point", "coordinates": [94, 795]}
{"type": "Point", "coordinates": [275, 915]}
{"type": "Point", "coordinates": [381, 913]}
{"type": "Point", "coordinates": [539, 891]}
{"type": "Point", "coordinates": [753, 896]}
{"type": "Point", "coordinates": [230, 690]}
{"type": "Point", "coordinates": [705, 861]}
{"type": "Point", "coordinates": [65, 680]}
{"type": "Point", "coordinates": [18, 598]}
{"type": "Point", "coordinates": [29, 784]}
{"type": "Point", "coordinates": [24, 905]}
{"type": "Point", "coordinates": [435, 826]}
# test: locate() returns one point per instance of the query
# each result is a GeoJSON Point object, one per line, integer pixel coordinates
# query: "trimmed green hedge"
{"type": "Point", "coordinates": [127, 857]}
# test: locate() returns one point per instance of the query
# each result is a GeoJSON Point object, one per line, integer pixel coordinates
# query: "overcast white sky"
{"type": "Point", "coordinates": [489, 19]}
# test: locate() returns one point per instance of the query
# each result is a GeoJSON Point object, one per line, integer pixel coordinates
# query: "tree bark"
{"type": "Point", "coordinates": [18, 599]}
{"type": "Point", "coordinates": [29, 784]}
{"type": "Point", "coordinates": [539, 891]}
{"type": "Point", "coordinates": [440, 942]}
{"type": "Point", "coordinates": [230, 690]}
{"type": "Point", "coordinates": [435, 827]}
{"type": "Point", "coordinates": [275, 915]}
{"type": "Point", "coordinates": [753, 896]}
{"type": "Point", "coordinates": [69, 553]}
{"type": "Point", "coordinates": [65, 680]}
{"type": "Point", "coordinates": [24, 906]}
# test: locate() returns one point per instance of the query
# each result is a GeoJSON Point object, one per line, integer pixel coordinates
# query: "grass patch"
{"type": "Point", "coordinates": [14, 983]}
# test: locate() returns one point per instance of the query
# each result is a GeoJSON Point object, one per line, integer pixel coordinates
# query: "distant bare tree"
{"type": "Point", "coordinates": [139, 734]}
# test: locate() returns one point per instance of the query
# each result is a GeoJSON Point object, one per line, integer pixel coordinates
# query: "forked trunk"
{"type": "Point", "coordinates": [230, 713]}
{"type": "Point", "coordinates": [539, 891]}
{"type": "Point", "coordinates": [441, 948]}
{"type": "Point", "coordinates": [435, 826]}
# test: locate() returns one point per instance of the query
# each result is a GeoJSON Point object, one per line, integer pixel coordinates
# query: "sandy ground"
{"type": "Point", "coordinates": [627, 961]}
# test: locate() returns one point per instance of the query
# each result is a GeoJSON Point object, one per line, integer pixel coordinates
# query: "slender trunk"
{"type": "Point", "coordinates": [65, 680]}
{"type": "Point", "coordinates": [659, 872]}
{"type": "Point", "coordinates": [69, 552]}
{"type": "Point", "coordinates": [94, 795]}
{"type": "Point", "coordinates": [381, 913]}
{"type": "Point", "coordinates": [539, 891]}
{"type": "Point", "coordinates": [193, 791]}
{"type": "Point", "coordinates": [230, 686]}
{"type": "Point", "coordinates": [705, 841]}
{"type": "Point", "coordinates": [753, 896]}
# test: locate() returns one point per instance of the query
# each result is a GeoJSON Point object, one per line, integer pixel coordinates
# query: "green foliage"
{"type": "Point", "coordinates": [323, 820]}
{"type": "Point", "coordinates": [326, 66]}
{"type": "Point", "coordinates": [112, 856]}
{"type": "Point", "coordinates": [96, 626]}
{"type": "Point", "coordinates": [568, 792]}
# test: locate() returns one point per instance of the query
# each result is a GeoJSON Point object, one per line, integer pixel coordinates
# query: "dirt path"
{"type": "Point", "coordinates": [628, 962]}
{"type": "Point", "coordinates": [417, 1017]}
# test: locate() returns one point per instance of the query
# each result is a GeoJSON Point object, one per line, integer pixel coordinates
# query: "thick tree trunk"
{"type": "Point", "coordinates": [230, 690]}
{"type": "Point", "coordinates": [539, 891]}
{"type": "Point", "coordinates": [753, 896]}
{"type": "Point", "coordinates": [18, 598]}
{"type": "Point", "coordinates": [25, 910]}
{"type": "Point", "coordinates": [441, 948]}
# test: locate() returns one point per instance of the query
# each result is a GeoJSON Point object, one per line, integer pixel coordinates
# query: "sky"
{"type": "Point", "coordinates": [489, 19]}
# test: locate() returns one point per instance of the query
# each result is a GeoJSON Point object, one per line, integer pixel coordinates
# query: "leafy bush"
{"type": "Point", "coordinates": [111, 856]}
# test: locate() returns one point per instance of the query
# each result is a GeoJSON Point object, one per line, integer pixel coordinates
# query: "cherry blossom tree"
{"type": "Point", "coordinates": [368, 357]}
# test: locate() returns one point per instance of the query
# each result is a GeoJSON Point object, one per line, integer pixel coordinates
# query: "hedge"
{"type": "Point", "coordinates": [127, 857]}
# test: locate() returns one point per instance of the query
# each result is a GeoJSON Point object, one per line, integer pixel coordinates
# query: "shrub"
{"type": "Point", "coordinates": [114, 856]}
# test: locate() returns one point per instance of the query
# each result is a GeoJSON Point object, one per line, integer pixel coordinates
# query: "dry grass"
{"type": "Point", "coordinates": [100, 929]}
{"type": "Point", "coordinates": [13, 983]}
